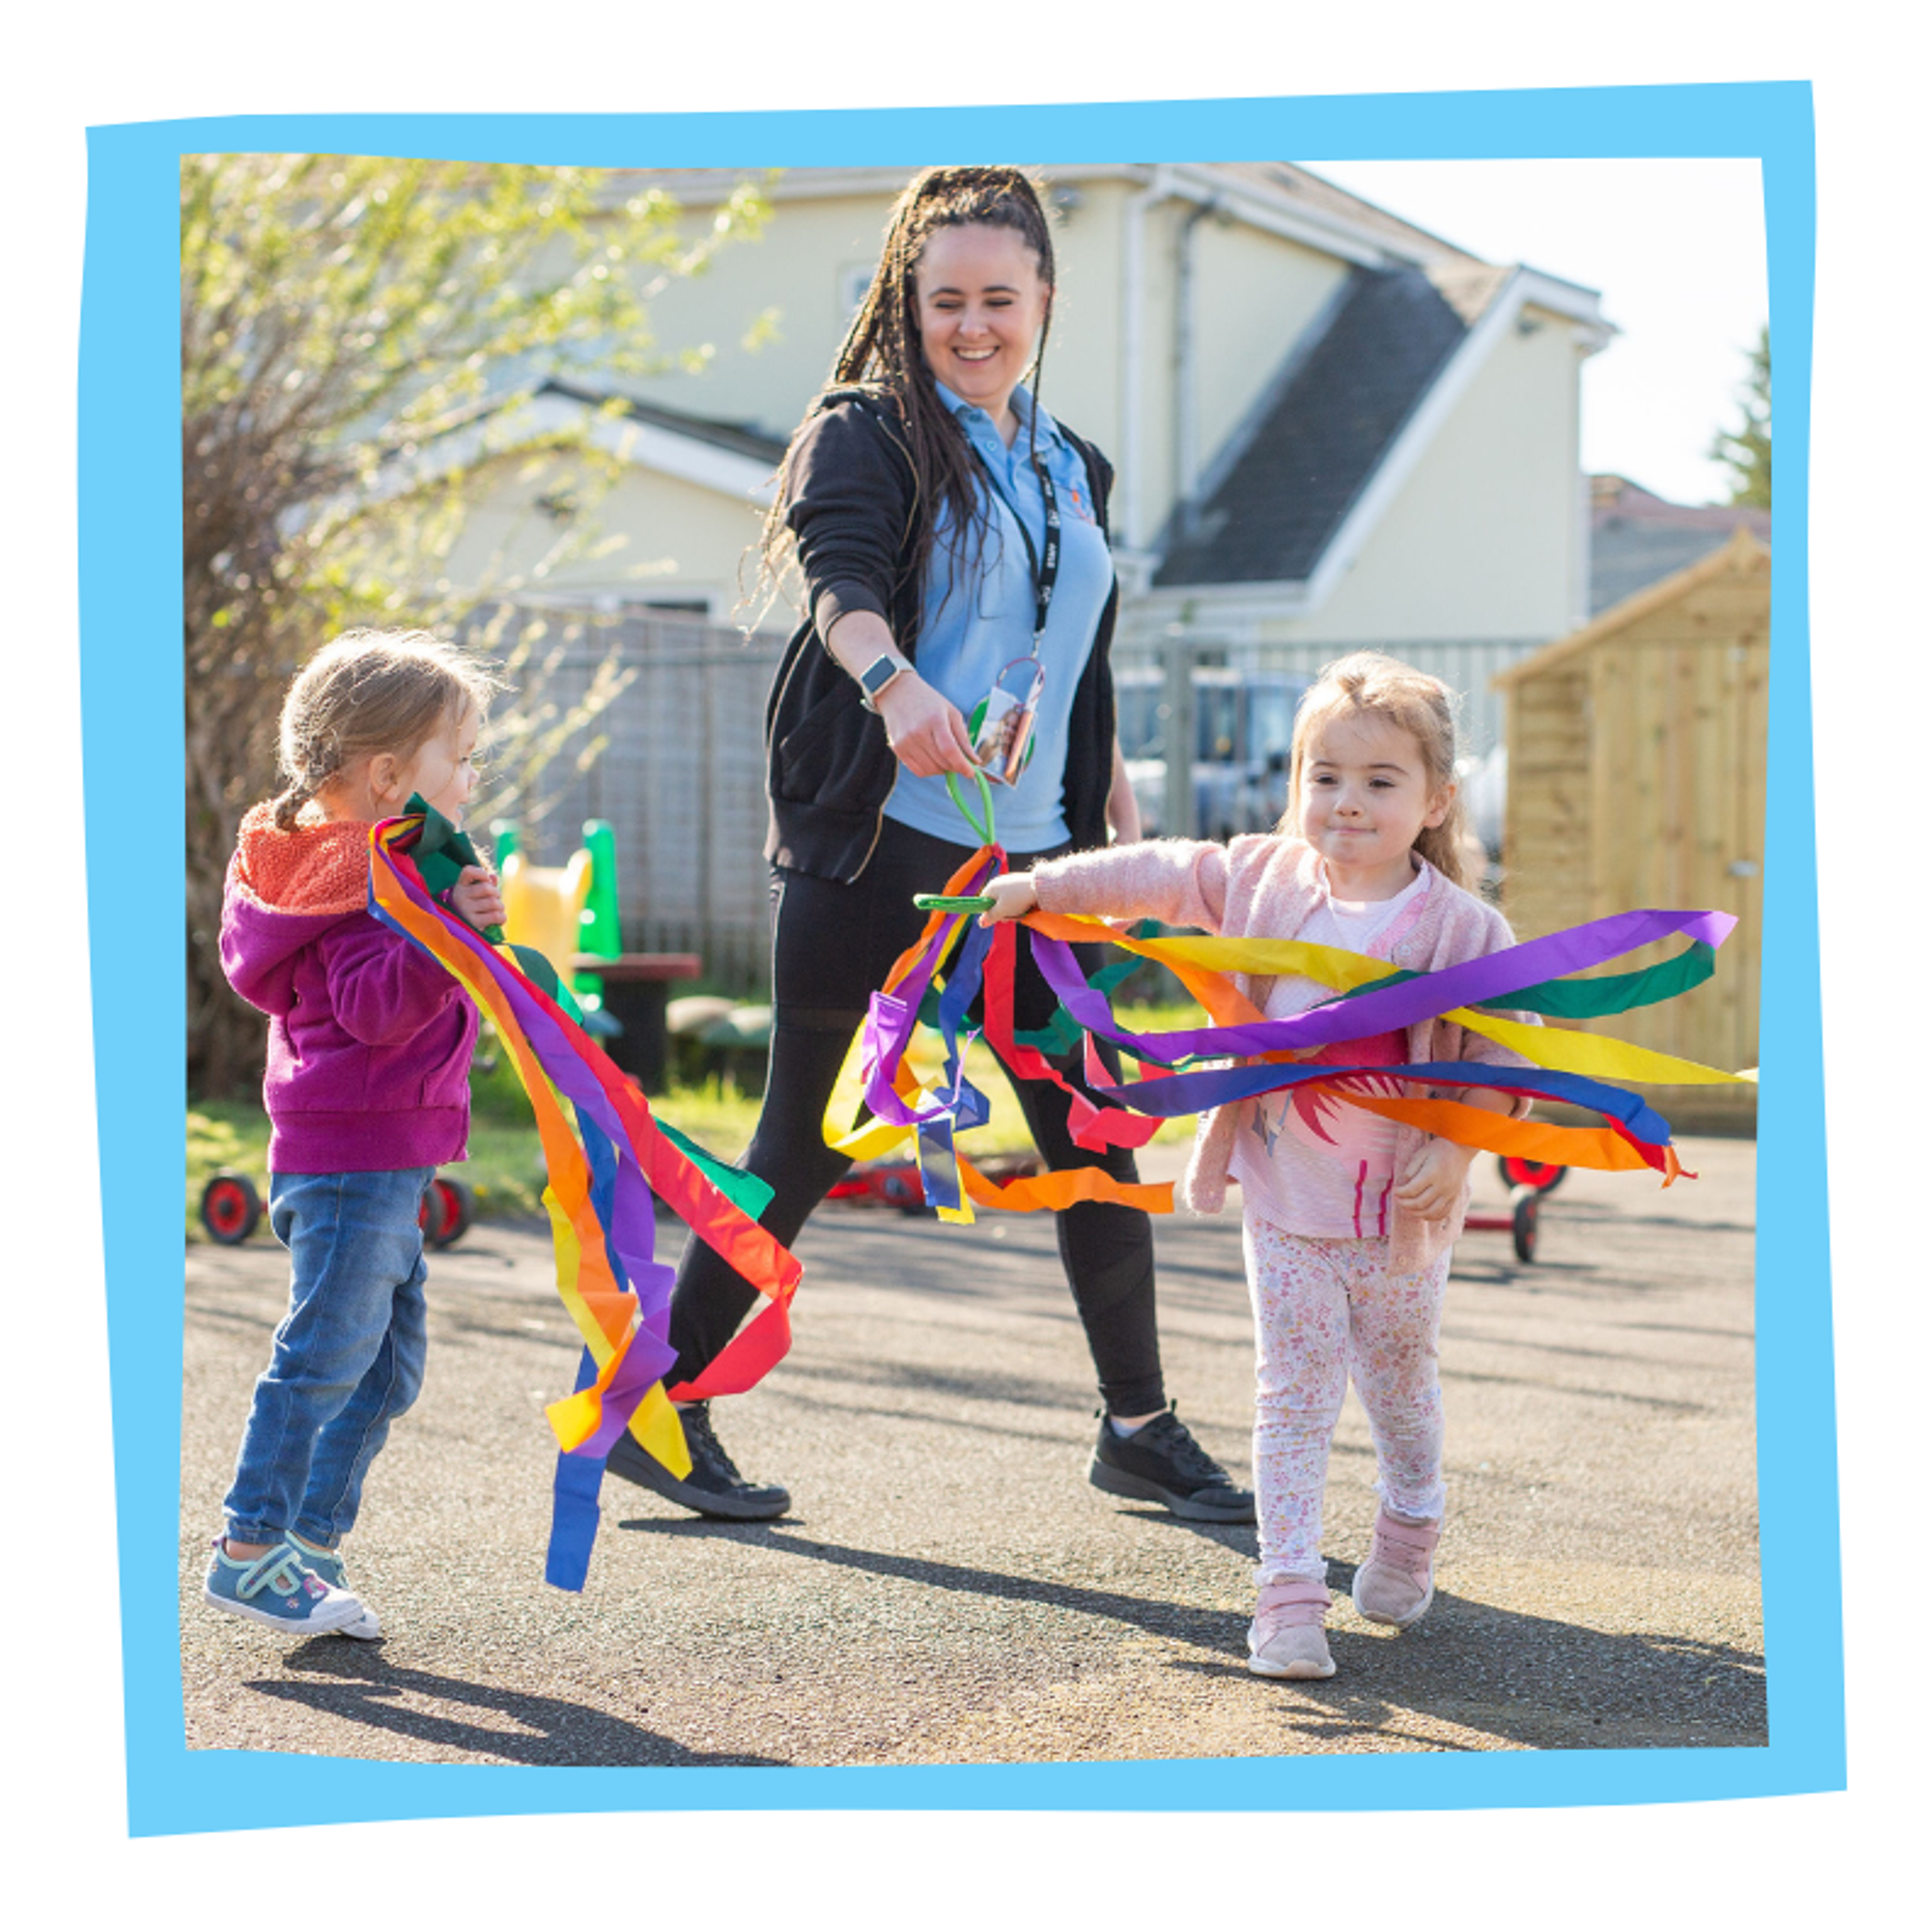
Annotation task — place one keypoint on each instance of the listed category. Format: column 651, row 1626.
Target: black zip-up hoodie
column 853, row 504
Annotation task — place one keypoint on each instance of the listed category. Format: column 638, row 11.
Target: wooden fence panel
column 680, row 774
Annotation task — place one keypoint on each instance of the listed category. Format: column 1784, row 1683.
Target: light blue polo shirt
column 969, row 634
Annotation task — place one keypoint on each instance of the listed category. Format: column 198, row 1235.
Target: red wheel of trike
column 456, row 1211
column 1526, row 1225
column 229, row 1208
column 433, row 1214
column 901, row 1187
column 1541, row 1175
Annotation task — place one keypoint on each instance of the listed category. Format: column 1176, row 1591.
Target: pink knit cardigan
column 1261, row 887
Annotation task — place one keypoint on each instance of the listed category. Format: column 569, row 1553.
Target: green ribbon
column 746, row 1190
column 1589, row 999
column 442, row 853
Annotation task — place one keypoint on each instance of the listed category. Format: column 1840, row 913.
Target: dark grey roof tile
column 726, row 434
column 1307, row 461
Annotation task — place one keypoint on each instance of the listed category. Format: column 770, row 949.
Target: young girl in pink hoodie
column 368, row 1045
column 1349, row 1218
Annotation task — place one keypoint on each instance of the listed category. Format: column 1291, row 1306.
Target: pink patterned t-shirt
column 1308, row 1162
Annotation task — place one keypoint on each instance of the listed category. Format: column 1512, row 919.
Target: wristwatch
column 880, row 675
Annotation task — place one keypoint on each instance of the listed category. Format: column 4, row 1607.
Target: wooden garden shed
column 1636, row 777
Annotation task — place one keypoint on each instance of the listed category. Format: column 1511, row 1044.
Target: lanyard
column 1046, row 563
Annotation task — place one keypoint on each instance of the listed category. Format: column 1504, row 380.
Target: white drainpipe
column 1133, row 534
column 1186, row 391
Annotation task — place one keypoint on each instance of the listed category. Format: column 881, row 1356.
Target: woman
column 919, row 498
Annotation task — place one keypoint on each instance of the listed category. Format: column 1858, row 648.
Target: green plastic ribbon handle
column 985, row 832
column 952, row 902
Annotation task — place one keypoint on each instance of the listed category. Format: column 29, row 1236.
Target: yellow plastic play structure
column 571, row 914
column 544, row 906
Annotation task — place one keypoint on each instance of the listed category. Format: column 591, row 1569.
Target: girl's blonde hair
column 371, row 691
column 1369, row 685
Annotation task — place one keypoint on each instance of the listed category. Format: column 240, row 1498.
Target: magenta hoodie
column 370, row 1039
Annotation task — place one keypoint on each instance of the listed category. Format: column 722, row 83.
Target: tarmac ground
column 948, row 1588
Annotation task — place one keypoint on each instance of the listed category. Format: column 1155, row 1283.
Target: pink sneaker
column 1395, row 1583
column 1288, row 1638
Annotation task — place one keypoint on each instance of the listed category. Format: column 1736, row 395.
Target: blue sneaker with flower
column 328, row 1565
column 278, row 1591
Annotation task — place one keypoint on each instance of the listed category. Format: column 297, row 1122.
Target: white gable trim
column 680, row 456
column 1524, row 288
column 1234, row 604
column 1296, row 599
column 684, row 457
column 1314, row 227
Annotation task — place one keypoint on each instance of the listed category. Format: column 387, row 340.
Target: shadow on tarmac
column 1518, row 1677
column 1534, row 1682
column 1206, row 1627
column 1539, row 1683
column 354, row 1680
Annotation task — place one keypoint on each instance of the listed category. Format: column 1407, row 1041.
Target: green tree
column 1748, row 453
column 356, row 335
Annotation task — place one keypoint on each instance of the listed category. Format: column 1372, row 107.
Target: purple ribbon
column 883, row 1043
column 1429, row 997
column 622, row 1200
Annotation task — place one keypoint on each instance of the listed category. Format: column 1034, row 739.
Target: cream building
column 1330, row 428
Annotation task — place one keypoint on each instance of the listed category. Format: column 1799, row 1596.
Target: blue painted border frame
column 130, row 623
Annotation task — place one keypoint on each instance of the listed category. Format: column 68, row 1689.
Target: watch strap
column 879, row 675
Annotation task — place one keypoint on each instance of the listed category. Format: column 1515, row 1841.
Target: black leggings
column 832, row 946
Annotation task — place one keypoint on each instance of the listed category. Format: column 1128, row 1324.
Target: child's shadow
column 354, row 1680
column 1525, row 1679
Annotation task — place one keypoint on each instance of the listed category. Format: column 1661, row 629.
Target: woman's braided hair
column 371, row 691
column 882, row 353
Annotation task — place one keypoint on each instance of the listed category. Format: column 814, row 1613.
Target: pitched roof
column 1308, row 189
column 1279, row 182
column 728, row 435
column 1638, row 538
column 1739, row 555
column 1281, row 494
column 1321, row 434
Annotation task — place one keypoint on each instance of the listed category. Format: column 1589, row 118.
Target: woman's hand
column 924, row 727
column 475, row 897
column 1434, row 1178
column 1012, row 895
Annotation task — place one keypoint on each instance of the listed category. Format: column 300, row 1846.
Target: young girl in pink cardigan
column 1350, row 1218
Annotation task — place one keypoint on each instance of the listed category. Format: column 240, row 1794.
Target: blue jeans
column 347, row 1359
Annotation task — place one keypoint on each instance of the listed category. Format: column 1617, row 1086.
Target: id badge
column 1001, row 726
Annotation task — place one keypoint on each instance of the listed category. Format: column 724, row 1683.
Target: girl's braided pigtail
column 286, row 807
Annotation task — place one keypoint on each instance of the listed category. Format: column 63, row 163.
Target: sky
column 1675, row 248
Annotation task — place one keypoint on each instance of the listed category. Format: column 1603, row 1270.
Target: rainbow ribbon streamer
column 603, row 1170
column 957, row 959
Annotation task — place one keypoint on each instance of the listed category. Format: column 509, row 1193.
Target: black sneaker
column 714, row 1485
column 1164, row 1462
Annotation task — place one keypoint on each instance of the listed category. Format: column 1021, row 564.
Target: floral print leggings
column 1324, row 1309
